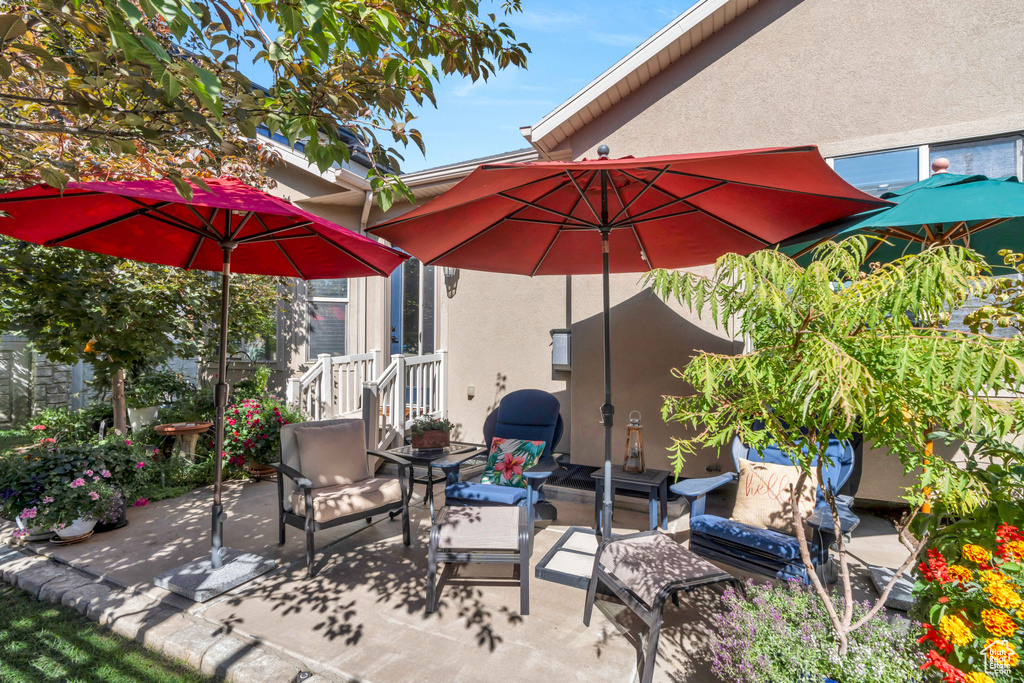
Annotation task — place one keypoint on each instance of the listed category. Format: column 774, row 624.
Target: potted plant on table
column 429, row 432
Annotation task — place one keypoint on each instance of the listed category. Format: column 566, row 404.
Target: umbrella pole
column 607, row 410
column 220, row 398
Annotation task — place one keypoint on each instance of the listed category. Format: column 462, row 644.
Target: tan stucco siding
column 847, row 76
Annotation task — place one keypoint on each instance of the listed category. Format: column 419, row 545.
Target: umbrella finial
column 603, row 151
column 940, row 165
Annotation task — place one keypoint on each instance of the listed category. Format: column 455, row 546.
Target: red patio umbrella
column 231, row 226
column 624, row 216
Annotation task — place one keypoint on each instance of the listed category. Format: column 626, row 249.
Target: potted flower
column 429, row 433
column 20, row 491
column 253, row 431
column 73, row 509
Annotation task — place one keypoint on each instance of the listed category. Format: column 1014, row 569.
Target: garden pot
column 35, row 533
column 115, row 518
column 431, row 439
column 142, row 417
column 77, row 528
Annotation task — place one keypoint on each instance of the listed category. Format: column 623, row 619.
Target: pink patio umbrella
column 624, row 216
column 231, row 225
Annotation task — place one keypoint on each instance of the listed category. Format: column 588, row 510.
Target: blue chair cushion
column 763, row 542
column 487, row 493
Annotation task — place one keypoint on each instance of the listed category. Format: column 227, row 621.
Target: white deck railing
column 410, row 387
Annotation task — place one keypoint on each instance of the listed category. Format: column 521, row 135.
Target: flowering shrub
column 783, row 635
column 253, row 430
column 969, row 596
column 84, row 497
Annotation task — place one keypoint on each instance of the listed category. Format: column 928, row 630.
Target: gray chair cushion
column 479, row 528
column 333, row 502
column 332, row 454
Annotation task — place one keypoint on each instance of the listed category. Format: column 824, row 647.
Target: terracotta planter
column 77, row 528
column 431, row 439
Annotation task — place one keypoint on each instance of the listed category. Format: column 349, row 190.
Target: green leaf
column 12, row 27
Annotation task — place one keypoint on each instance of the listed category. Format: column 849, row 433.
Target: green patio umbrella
column 986, row 214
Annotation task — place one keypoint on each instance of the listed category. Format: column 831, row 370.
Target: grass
column 44, row 642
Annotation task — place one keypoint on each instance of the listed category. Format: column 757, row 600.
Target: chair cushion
column 334, row 454
column 764, row 496
column 333, row 502
column 760, row 541
column 508, row 459
column 479, row 528
column 487, row 493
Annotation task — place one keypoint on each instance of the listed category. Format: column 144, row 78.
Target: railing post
column 326, row 386
column 371, row 414
column 442, row 384
column 398, row 410
column 294, row 395
column 376, row 368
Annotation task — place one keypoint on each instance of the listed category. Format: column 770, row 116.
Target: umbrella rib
column 714, row 216
column 289, row 258
column 561, row 226
column 583, row 193
column 527, row 203
column 241, row 224
column 684, row 199
column 195, row 253
column 632, row 224
column 17, row 200
column 647, row 186
column 497, row 223
column 352, row 255
column 875, row 202
column 208, row 222
column 262, row 237
column 171, row 219
column 98, row 226
column 541, row 221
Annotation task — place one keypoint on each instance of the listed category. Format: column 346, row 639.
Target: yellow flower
column 1003, row 595
column 992, row 577
column 978, row 677
column 955, row 630
column 975, row 553
column 998, row 622
column 1013, row 551
column 1001, row 652
column 960, row 573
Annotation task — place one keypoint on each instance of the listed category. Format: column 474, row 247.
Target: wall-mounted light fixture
column 451, row 280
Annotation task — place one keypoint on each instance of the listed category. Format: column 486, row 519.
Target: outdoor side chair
column 528, row 414
column 502, row 534
column 332, row 483
column 766, row 551
column 644, row 570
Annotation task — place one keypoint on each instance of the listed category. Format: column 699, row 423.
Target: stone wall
column 51, row 385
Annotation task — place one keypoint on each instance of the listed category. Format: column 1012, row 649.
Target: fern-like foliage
column 837, row 350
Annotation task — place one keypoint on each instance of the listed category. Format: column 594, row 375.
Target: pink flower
column 96, row 478
column 28, row 513
column 141, row 502
column 94, row 495
column 48, row 499
column 48, row 441
column 77, row 482
column 511, row 466
column 231, row 420
column 139, row 465
column 105, row 474
column 20, row 533
column 37, row 428
column 88, row 473
column 156, row 451
column 58, row 527
column 127, row 442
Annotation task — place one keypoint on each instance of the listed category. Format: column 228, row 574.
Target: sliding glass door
column 412, row 309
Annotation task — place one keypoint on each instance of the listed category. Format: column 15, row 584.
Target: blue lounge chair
column 765, row 551
column 530, row 415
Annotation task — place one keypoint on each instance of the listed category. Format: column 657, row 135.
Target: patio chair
column 767, row 551
column 332, row 483
column 527, row 414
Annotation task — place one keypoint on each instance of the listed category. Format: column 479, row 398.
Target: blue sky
column 573, row 42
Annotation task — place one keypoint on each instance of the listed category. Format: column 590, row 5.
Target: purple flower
column 28, row 513
column 48, row 499
column 105, row 474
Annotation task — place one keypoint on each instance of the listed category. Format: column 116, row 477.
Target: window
column 880, row 172
column 993, row 158
column 327, row 301
column 412, row 309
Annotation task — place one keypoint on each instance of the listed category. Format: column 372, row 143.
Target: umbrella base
column 199, row 581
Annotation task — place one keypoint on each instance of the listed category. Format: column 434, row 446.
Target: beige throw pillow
column 332, row 455
column 764, row 498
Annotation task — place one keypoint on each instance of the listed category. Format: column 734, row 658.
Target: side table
column 654, row 482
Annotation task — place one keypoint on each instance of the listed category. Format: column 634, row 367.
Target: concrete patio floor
column 362, row 617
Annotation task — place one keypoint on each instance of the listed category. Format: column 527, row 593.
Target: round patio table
column 185, row 434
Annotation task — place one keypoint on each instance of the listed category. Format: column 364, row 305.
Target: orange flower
column 978, row 677
column 960, row 573
column 1003, row 595
column 975, row 553
column 992, row 576
column 955, row 630
column 90, row 347
column 998, row 622
column 1001, row 652
column 1013, row 551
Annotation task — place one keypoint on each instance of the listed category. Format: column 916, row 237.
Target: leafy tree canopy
column 344, row 73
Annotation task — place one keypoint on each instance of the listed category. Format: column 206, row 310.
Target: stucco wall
column 846, row 76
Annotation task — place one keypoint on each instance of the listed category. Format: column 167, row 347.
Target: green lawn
column 44, row 642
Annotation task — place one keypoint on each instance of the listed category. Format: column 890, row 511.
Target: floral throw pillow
column 508, row 459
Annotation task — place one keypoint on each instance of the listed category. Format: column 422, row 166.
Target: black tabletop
column 432, row 454
column 648, row 476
